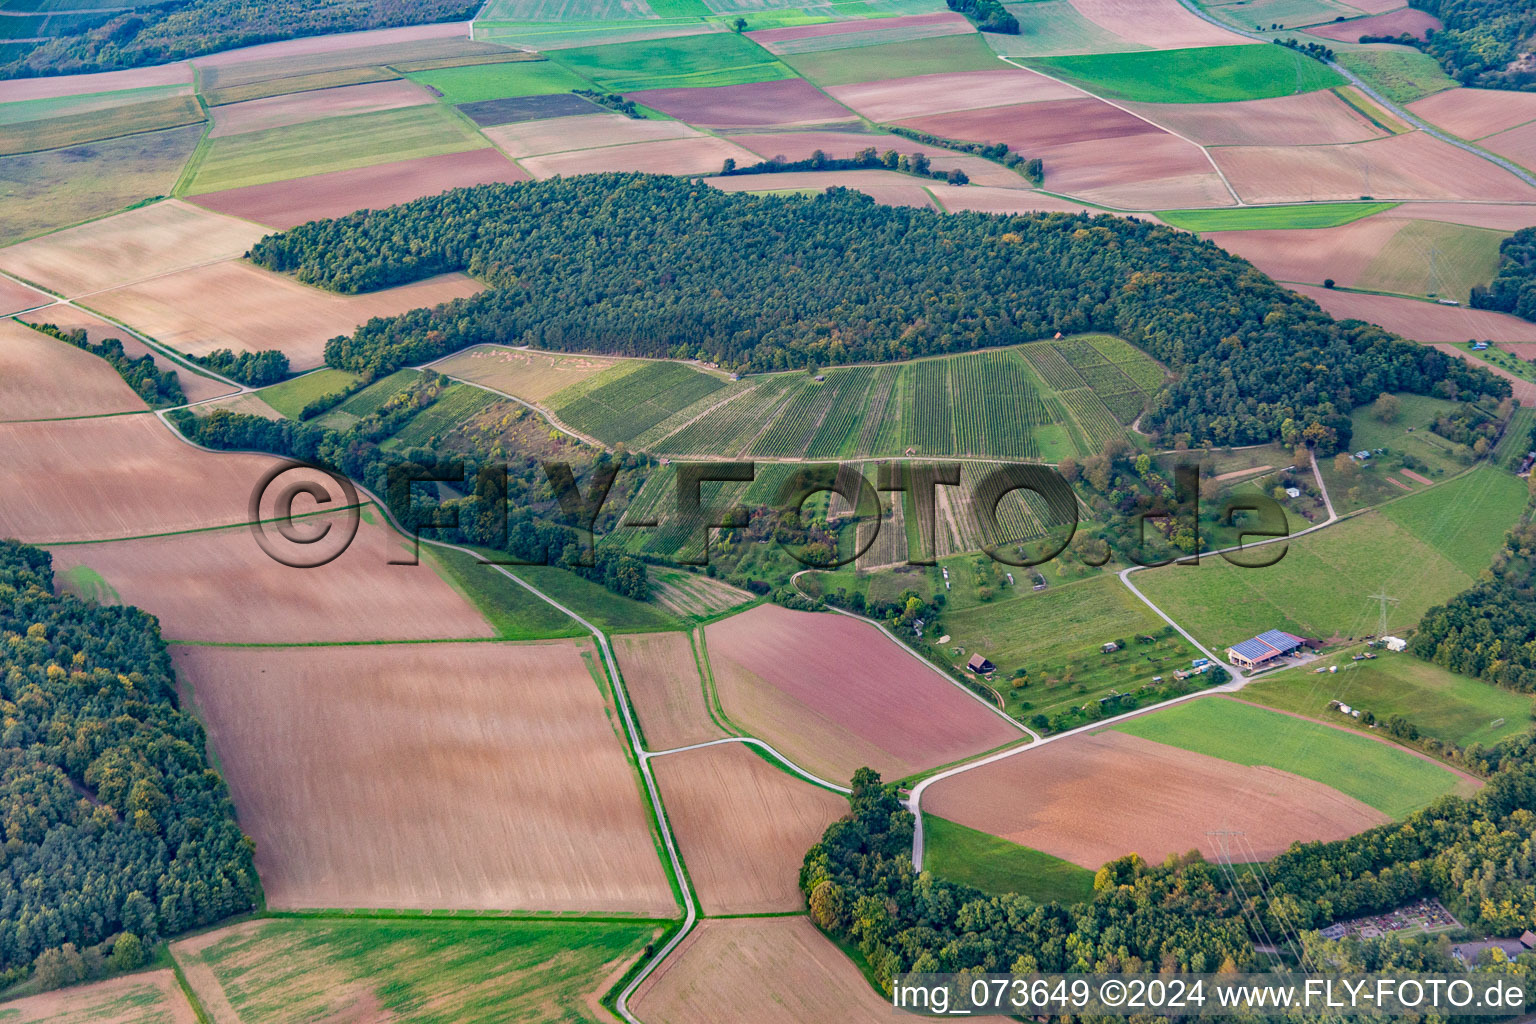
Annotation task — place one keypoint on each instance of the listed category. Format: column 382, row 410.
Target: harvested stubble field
column 373, row 971
column 297, row 108
column 527, row 373
column 220, row 586
column 1412, row 166
column 835, row 694
column 1089, row 799
column 1161, row 24
column 1426, row 322
column 46, row 191
column 662, row 678
column 236, row 305
column 284, row 204
column 118, row 476
column 1305, row 120
column 743, row 826
column 153, row 997
column 1476, row 113
column 782, row 971
column 562, row 134
column 894, row 99
column 378, row 776
column 1406, row 21
column 44, row 378
column 702, row 155
column 790, row 101
column 114, row 251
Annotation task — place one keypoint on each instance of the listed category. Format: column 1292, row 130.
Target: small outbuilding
column 980, row 665
column 1528, row 939
column 1395, row 643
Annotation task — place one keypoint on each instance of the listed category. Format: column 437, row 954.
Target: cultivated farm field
column 661, row 675
column 152, row 997
column 44, row 378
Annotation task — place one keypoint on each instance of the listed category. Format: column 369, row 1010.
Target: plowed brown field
column 51, row 86
column 562, row 134
column 470, row 776
column 1504, row 216
column 15, row 297
column 299, row 107
column 789, row 101
column 780, row 970
column 1306, row 120
column 663, row 683
column 703, row 155
column 1422, row 321
column 1342, row 253
column 195, row 386
column 743, row 826
column 1408, row 20
column 153, row 996
column 1160, row 24
column 1089, row 799
column 835, row 694
column 44, row 378
column 1475, row 113
column 897, row 98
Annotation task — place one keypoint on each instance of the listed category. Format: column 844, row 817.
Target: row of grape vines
column 929, row 418
column 1052, row 367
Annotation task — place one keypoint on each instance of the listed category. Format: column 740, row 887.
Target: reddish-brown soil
column 1160, row 24
column 1092, row 798
column 1518, row 144
column 787, row 102
column 887, row 187
column 1398, row 483
column 1504, row 216
column 130, row 999
column 1520, row 350
column 15, row 297
column 1476, row 113
column 898, row 98
column 1342, row 253
column 561, row 134
column 833, row 693
column 282, row 204
column 221, row 586
column 128, row 247
column 663, row 683
column 296, row 108
column 265, row 53
column 195, row 386
column 44, row 378
column 1414, row 22
column 702, row 155
column 1422, row 321
column 472, row 776
column 780, row 971
column 800, row 145
column 50, row 87
column 769, row 36
column 117, row 476
column 239, row 306
column 1411, row 166
column 743, row 826
column 1306, row 120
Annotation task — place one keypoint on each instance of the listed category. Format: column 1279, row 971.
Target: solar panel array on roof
column 1281, row 641
column 1253, row 650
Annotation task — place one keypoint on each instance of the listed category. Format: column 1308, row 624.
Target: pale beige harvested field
column 1475, row 113
column 15, row 297
column 44, row 378
column 341, row 42
column 800, row 146
column 1422, row 321
column 128, row 247
column 1342, row 253
column 886, row 187
column 151, row 997
column 470, row 776
column 248, row 404
column 562, row 134
column 1160, row 24
column 898, row 98
column 53, row 86
column 766, row 970
column 1411, row 166
column 220, row 585
column 239, row 306
column 284, row 204
column 1518, row 144
column 527, row 373
column 296, row 108
column 1091, row 798
column 743, row 826
column 703, row 155
column 1306, row 120
column 834, row 694
column 1504, row 216
column 663, row 683
column 117, row 476
column 1406, row 19
column 195, row 386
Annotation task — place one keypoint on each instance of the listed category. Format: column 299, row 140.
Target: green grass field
column 430, row 971
column 1207, row 74
column 1436, row 259
column 714, row 58
column 332, row 144
column 598, row 605
column 88, row 585
column 458, row 404
column 996, row 866
column 1385, row 777
column 896, row 60
column 500, row 81
column 1255, row 218
column 292, row 395
column 1055, row 27
column 1421, row 550
column 1260, row 14
column 1402, row 76
column 1449, row 707
column 1407, row 437
column 516, row 613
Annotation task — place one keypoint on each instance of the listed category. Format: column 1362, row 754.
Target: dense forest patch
column 657, row 266
column 1482, row 42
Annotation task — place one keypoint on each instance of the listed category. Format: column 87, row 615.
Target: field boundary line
column 761, row 745
column 548, row 415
